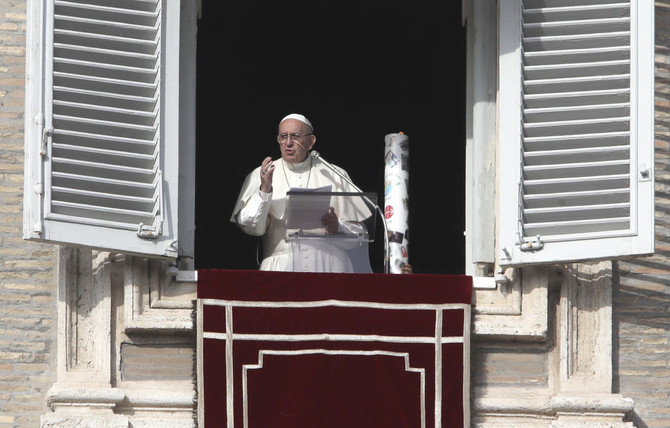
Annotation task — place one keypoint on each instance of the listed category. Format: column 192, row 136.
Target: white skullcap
column 299, row 117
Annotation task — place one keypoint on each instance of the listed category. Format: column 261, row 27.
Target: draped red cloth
column 280, row 349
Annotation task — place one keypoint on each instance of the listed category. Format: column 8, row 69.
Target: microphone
column 316, row 155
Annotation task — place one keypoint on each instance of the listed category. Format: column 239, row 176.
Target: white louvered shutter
column 101, row 131
column 576, row 130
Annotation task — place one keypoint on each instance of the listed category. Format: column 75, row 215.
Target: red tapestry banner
column 281, row 349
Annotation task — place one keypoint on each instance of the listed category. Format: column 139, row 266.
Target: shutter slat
column 95, row 126
column 105, row 114
column 105, row 85
column 114, row 224
column 85, row 96
column 575, row 112
column 577, row 41
column 556, row 9
column 106, row 55
column 539, row 4
column 103, row 170
column 564, row 13
column 580, row 212
column 118, row 143
column 583, row 169
column 573, row 156
column 134, row 5
column 565, row 127
column 103, row 184
column 101, row 41
column 544, row 58
column 130, row 13
column 91, row 154
column 591, row 89
column 102, row 213
column 122, row 30
column 596, row 197
column 109, row 200
column 575, row 141
column 556, row 71
column 107, row 82
column 567, row 230
column 547, row 99
column 117, row 72
column 582, row 26
column 577, row 183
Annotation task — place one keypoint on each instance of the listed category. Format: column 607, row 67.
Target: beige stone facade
column 93, row 339
column 27, row 271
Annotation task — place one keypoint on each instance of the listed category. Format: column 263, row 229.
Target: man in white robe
column 261, row 205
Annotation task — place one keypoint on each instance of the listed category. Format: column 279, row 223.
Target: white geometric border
column 229, row 337
column 261, row 353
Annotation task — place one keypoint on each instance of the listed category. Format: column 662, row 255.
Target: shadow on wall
column 637, row 422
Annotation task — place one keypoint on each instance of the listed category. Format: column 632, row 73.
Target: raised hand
column 267, row 169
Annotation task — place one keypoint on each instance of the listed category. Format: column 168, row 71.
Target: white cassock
column 266, row 218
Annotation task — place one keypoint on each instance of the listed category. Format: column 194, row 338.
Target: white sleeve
column 253, row 217
column 354, row 228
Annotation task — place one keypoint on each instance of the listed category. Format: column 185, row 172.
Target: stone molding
column 519, row 409
column 579, row 390
column 517, row 310
column 156, row 296
column 84, row 319
column 586, row 328
column 156, row 300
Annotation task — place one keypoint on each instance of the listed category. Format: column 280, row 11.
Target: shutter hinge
column 46, row 134
column 645, row 173
column 148, row 232
column 532, row 245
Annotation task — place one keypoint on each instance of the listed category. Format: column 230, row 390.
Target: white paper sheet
column 306, row 212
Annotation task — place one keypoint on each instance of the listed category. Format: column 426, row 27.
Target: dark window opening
column 358, row 71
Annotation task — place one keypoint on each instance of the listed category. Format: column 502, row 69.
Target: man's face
column 295, row 149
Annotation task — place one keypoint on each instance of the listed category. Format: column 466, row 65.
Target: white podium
column 313, row 249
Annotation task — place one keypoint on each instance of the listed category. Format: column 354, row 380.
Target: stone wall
column 27, row 270
column 642, row 300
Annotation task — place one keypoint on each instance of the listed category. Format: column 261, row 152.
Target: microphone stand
column 316, row 155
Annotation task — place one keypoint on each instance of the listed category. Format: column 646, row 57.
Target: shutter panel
column 98, row 178
column 576, row 132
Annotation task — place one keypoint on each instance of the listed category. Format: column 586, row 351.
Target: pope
column 261, row 205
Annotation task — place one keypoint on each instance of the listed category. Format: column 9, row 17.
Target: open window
column 361, row 70
column 110, row 128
